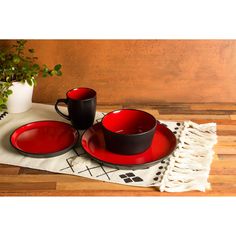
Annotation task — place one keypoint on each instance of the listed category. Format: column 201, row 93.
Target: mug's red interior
column 81, row 93
column 129, row 121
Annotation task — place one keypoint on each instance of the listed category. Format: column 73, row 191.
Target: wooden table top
column 17, row 181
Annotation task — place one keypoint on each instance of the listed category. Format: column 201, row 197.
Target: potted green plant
column 18, row 74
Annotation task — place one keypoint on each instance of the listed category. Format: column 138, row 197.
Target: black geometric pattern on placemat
column 130, row 177
column 177, row 129
column 80, row 152
column 161, row 169
column 156, row 178
column 88, row 169
column 70, row 160
column 70, row 164
column 164, row 161
column 106, row 173
column 3, row 115
column 100, row 119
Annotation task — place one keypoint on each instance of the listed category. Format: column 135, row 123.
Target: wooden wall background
column 140, row 71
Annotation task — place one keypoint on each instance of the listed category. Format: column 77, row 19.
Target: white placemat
column 186, row 169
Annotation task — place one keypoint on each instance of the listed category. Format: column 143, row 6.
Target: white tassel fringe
column 189, row 165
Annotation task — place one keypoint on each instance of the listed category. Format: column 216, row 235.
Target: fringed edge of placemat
column 189, row 165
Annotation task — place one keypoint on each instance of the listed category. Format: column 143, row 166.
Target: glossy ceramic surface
column 81, row 94
column 81, row 104
column 128, row 131
column 44, row 138
column 129, row 121
column 163, row 144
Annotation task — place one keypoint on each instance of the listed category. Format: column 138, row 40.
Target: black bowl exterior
column 128, row 144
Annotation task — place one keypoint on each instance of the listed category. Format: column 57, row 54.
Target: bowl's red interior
column 81, row 93
column 129, row 121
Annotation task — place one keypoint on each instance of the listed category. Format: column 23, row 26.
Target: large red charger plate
column 163, row 144
column 44, row 138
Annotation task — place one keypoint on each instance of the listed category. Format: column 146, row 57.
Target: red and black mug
column 81, row 104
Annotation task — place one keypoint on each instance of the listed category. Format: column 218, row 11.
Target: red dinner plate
column 163, row 144
column 44, row 138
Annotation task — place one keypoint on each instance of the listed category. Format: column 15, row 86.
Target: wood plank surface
column 17, row 181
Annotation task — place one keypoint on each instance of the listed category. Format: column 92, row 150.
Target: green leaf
column 21, row 42
column 9, row 92
column 45, row 69
column 59, row 73
column 53, row 72
column 45, row 74
column 18, row 64
column 16, row 59
column 2, row 56
column 34, row 82
column 57, row 67
column 29, row 81
column 3, row 107
column 35, row 67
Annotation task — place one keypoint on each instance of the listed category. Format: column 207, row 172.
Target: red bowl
column 128, row 131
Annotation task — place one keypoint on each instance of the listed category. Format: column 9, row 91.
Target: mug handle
column 58, row 111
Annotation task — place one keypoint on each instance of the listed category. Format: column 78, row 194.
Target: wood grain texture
column 16, row 181
column 140, row 71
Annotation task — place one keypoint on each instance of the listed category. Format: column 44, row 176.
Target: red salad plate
column 44, row 138
column 163, row 144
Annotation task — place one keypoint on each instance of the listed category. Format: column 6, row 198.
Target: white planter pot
column 21, row 98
